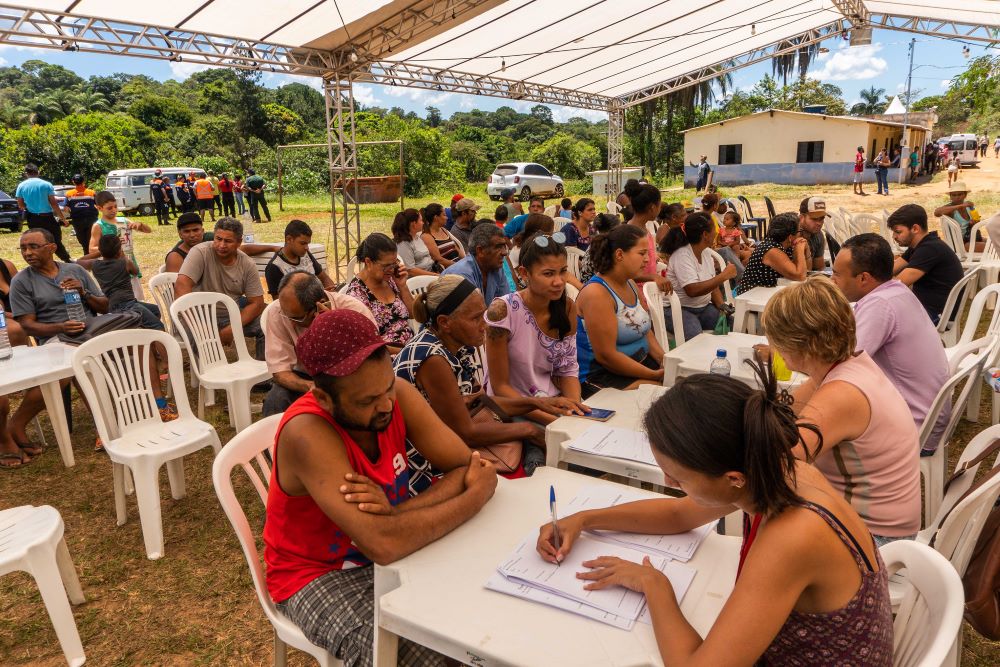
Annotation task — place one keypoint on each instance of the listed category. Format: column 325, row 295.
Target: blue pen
column 555, row 525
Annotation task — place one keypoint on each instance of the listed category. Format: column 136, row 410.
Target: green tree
column 304, row 100
column 872, row 102
column 281, row 125
column 161, row 113
column 567, row 156
column 433, row 116
column 542, row 113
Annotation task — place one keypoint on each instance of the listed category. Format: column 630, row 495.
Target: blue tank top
column 633, row 325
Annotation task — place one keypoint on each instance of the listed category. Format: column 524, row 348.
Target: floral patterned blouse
column 393, row 319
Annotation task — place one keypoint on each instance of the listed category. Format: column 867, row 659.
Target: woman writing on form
column 811, row 588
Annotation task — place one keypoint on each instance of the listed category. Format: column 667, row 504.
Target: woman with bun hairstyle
column 407, row 232
column 441, row 362
column 811, row 588
column 443, row 247
column 614, row 335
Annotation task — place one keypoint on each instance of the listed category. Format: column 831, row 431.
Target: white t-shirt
column 685, row 269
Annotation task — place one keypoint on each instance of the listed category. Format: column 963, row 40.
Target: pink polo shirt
column 899, row 337
column 281, row 332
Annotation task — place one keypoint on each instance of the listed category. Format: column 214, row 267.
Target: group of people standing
column 206, row 193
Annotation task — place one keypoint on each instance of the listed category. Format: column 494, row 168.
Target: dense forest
column 227, row 121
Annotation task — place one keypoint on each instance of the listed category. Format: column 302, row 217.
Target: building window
column 810, row 151
column 731, row 154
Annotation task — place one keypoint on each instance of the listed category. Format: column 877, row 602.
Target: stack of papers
column 524, row 574
column 614, row 442
column 680, row 546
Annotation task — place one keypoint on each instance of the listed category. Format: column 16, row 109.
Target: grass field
column 196, row 606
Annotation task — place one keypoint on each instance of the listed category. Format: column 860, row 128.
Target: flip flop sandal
column 32, row 449
column 98, row 446
column 21, row 461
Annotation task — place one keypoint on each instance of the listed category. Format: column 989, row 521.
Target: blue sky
column 883, row 65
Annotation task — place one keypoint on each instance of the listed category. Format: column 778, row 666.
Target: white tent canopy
column 586, row 53
column 593, row 54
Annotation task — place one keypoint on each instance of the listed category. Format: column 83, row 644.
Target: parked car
column 10, row 216
column 61, row 191
column 131, row 187
column 527, row 179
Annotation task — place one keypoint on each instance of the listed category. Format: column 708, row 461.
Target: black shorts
column 601, row 378
column 205, row 204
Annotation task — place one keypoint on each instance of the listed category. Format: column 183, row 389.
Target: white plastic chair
column 652, row 226
column 161, row 286
column 195, row 315
column 951, row 234
column 113, row 373
column 419, row 284
column 31, row 540
column 956, row 527
column 654, row 299
column 948, row 326
column 929, row 618
column 987, row 261
column 572, row 292
column 965, row 367
column 654, row 303
column 352, row 268
column 865, row 223
column 266, row 313
column 613, row 208
column 243, row 450
column 979, row 304
column 573, row 257
column 720, row 265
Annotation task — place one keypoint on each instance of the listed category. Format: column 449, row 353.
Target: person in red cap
column 339, row 498
column 450, row 211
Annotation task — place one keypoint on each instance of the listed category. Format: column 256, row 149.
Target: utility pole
column 909, row 81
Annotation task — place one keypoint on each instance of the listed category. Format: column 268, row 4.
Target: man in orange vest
column 82, row 210
column 205, row 195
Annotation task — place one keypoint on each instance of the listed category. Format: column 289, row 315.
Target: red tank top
column 301, row 543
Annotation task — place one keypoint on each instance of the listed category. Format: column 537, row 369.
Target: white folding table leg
column 52, row 395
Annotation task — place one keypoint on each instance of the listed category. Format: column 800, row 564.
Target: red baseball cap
column 337, row 343
column 457, row 197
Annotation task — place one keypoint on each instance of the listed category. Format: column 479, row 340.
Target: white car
column 131, row 186
column 526, row 179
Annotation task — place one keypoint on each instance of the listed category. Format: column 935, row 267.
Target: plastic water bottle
column 720, row 365
column 74, row 306
column 5, row 350
column 248, row 236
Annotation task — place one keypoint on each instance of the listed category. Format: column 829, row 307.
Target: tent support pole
column 342, row 154
column 616, row 133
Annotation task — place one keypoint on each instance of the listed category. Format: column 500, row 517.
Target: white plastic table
column 317, row 249
column 696, row 355
column 629, row 407
column 752, row 301
column 43, row 366
column 436, row 596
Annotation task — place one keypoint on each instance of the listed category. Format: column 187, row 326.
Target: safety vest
column 203, row 189
column 81, row 204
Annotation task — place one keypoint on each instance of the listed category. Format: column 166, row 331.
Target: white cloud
column 851, row 64
column 365, row 95
column 22, row 48
column 429, row 98
column 2, row 62
column 182, row 70
column 946, row 83
column 563, row 114
column 275, row 80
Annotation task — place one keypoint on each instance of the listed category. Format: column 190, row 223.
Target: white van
column 966, row 146
column 131, row 186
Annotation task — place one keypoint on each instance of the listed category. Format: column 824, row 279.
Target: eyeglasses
column 309, row 313
column 542, row 241
column 33, row 246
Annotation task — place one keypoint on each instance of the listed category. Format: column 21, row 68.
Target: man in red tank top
column 339, row 495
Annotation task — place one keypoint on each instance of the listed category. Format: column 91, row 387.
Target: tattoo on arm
column 496, row 333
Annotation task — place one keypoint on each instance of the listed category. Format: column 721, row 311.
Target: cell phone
column 599, row 414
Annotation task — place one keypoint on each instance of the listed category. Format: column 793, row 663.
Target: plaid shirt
column 467, row 370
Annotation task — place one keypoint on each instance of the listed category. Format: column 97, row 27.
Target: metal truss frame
column 616, row 159
column 365, row 58
column 342, row 153
column 430, row 78
column 68, row 32
column 936, row 27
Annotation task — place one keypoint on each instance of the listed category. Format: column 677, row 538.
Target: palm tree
column 793, row 60
column 871, row 102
